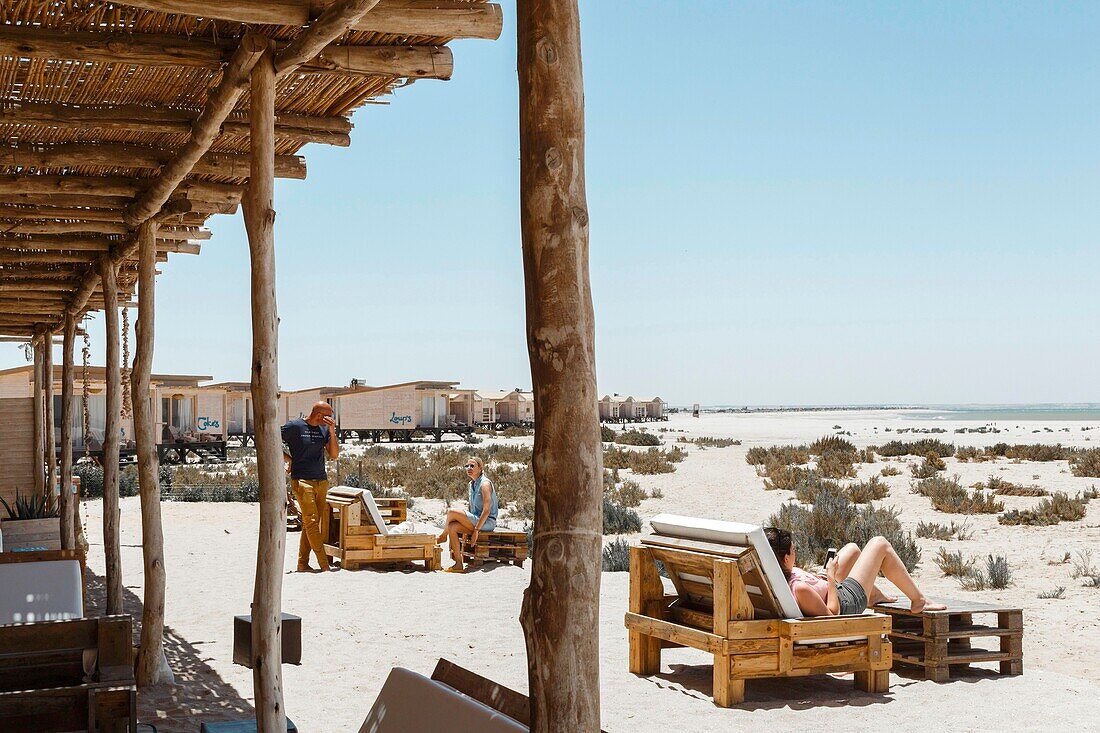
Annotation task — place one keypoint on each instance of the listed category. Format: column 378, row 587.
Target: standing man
column 306, row 443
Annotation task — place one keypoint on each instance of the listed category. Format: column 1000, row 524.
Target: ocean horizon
column 986, row 413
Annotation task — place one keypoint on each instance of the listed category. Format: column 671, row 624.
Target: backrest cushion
column 740, row 535
column 411, row 702
column 371, row 507
column 40, row 591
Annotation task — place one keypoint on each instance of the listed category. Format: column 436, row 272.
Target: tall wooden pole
column 67, row 503
column 47, row 388
column 259, row 218
column 150, row 669
column 38, row 443
column 560, row 614
column 111, row 545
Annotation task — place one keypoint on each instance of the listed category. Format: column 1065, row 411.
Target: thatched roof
column 95, row 97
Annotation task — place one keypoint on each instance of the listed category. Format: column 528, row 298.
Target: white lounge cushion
column 369, row 504
column 733, row 533
column 412, row 702
column 40, row 591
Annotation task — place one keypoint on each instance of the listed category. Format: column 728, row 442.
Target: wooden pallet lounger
column 733, row 601
column 68, row 676
column 359, row 531
column 496, row 546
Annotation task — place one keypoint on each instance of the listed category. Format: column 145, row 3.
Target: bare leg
column 880, row 556
column 457, row 522
column 453, row 515
column 845, row 561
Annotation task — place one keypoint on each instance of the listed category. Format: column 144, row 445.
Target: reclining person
column 849, row 579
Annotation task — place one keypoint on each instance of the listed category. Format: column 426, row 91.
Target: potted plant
column 31, row 523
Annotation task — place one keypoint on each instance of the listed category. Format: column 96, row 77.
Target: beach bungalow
column 611, row 407
column 464, row 407
column 298, row 403
column 396, row 411
column 237, row 398
column 512, row 407
column 654, row 408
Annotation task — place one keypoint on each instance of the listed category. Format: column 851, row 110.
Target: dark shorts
column 853, row 599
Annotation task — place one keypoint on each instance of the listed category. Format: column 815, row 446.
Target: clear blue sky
column 790, row 203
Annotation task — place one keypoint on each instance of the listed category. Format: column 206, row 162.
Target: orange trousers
column 313, row 502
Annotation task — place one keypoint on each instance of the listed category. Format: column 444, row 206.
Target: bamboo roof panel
column 76, row 97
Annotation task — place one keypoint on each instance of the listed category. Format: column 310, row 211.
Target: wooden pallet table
column 498, row 546
column 936, row 641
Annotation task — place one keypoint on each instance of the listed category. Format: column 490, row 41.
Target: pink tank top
column 817, row 583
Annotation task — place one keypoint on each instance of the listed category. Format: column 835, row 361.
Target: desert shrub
column 1086, row 463
column 629, row 493
column 969, row 453
column 1059, row 507
column 517, row 431
column 953, row 564
column 657, row 493
column 515, row 489
column 706, row 442
column 616, row 556
column 620, row 520
column 1007, row 488
column 929, row 466
column 831, row 443
column 864, row 491
column 837, row 464
column 650, row 462
column 1092, row 581
column 808, row 483
column 996, row 575
column 1036, row 452
column 616, row 458
column 780, row 476
column 833, row 521
column 1057, row 593
column 947, row 495
column 676, row 454
column 637, row 437
column 916, row 448
column 867, row 455
column 786, row 454
column 607, row 435
column 1083, row 566
column 935, row 531
column 891, row 471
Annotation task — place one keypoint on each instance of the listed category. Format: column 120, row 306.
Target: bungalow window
column 178, row 412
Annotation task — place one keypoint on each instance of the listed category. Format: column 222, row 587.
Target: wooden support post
column 645, row 592
column 39, row 439
column 150, row 668
column 112, row 550
column 47, row 389
column 560, row 614
column 259, row 217
column 67, row 502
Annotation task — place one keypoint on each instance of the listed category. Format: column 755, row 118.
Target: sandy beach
column 357, row 625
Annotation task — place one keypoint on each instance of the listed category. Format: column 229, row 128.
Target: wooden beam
column 94, row 227
column 432, row 18
column 18, row 212
column 150, row 669
column 561, row 606
column 38, row 441
column 19, row 184
column 115, row 204
column 24, row 258
column 165, row 121
column 259, row 218
column 67, row 500
column 141, row 49
column 47, row 387
column 334, row 21
column 107, row 155
column 112, row 548
column 85, row 244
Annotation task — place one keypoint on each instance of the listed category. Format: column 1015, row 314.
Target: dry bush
column 784, row 477
column 831, row 443
column 650, row 462
column 1007, row 488
column 916, row 448
column 837, row 464
column 996, row 575
column 929, row 466
column 947, row 495
column 1059, row 507
column 968, row 453
column 1032, row 452
column 789, row 455
column 936, row 531
column 891, row 471
column 953, row 564
column 833, row 521
column 1086, row 463
column 707, row 442
column 629, row 493
column 637, row 437
column 616, row 556
column 867, row 455
column 620, row 520
column 864, row 491
column 809, row 483
column 1057, row 593
column 607, row 435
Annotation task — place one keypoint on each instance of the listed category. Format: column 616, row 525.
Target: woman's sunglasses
column 471, row 465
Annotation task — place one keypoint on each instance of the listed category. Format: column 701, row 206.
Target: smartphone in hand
column 830, row 555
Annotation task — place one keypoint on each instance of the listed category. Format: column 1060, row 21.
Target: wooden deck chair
column 359, row 533
column 733, row 601
column 46, row 585
column 453, row 700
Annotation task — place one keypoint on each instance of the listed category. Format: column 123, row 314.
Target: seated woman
column 481, row 516
column 849, row 579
